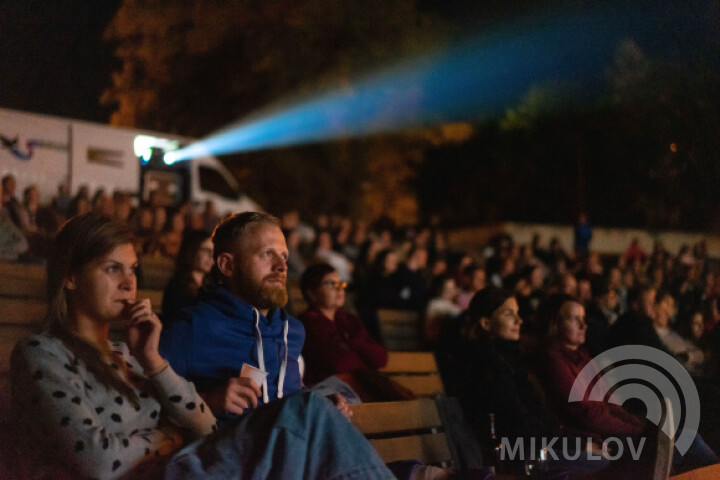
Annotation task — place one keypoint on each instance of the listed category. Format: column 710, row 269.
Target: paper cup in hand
column 254, row 373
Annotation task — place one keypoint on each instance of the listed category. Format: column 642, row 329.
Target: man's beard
column 260, row 295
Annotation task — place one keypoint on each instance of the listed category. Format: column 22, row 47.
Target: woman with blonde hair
column 97, row 407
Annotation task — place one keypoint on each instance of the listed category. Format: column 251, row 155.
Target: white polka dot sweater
column 72, row 419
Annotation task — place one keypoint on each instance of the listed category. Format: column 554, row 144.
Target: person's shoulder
column 290, row 318
column 311, row 316
column 294, row 325
column 42, row 348
column 173, row 283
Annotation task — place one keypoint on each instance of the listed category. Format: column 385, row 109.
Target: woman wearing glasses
column 336, row 342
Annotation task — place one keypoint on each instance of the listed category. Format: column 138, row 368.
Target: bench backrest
column 19, row 280
column 706, row 473
column 404, row 430
column 400, row 329
column 23, row 316
column 416, row 371
column 432, row 431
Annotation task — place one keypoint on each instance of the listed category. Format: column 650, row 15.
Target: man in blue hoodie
column 241, row 321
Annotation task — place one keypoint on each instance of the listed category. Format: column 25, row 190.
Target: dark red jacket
column 339, row 346
column 600, row 419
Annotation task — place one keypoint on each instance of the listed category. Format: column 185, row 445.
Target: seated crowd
column 511, row 325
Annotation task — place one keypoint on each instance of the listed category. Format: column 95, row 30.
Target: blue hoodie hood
column 212, row 340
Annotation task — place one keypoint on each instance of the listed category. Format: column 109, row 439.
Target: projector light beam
column 470, row 82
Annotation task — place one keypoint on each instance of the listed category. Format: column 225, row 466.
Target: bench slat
column 373, row 418
column 400, row 329
column 429, row 449
column 421, row 385
column 22, row 287
column 706, row 473
column 9, row 269
column 9, row 336
column 20, row 311
column 410, row 362
column 31, row 311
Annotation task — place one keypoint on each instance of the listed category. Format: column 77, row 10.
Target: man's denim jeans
column 302, row 436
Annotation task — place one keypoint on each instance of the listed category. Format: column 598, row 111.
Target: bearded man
column 241, row 321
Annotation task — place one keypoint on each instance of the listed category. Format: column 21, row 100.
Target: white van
column 46, row 151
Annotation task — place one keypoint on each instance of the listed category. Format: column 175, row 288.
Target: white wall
column 605, row 240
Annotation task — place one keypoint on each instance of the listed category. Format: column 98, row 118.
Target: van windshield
column 212, row 181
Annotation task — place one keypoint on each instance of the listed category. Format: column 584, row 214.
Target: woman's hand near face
column 143, row 334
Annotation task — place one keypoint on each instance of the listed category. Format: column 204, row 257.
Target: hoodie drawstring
column 261, row 358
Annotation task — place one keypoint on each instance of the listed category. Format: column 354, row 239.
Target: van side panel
column 104, row 157
column 36, row 150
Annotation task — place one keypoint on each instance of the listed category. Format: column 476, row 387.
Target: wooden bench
column 23, row 316
column 400, row 330
column 156, row 272
column 24, row 311
column 296, row 302
column 416, row 371
column 20, row 280
column 706, row 473
column 428, row 430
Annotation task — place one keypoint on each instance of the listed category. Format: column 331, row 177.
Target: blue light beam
column 472, row 81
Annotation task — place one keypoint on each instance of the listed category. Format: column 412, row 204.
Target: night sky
column 54, row 60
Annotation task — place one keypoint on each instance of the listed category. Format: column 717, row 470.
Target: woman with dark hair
column 192, row 271
column 93, row 408
column 379, row 289
column 502, row 385
column 171, row 237
column 337, row 343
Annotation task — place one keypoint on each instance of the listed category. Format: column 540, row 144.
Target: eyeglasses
column 336, row 285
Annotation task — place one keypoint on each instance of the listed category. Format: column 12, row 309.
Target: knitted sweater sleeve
column 181, row 403
column 74, row 420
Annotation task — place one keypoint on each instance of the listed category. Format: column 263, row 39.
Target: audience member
column 9, row 202
column 295, row 261
column 601, row 315
column 192, row 271
column 12, row 241
column 441, row 308
column 490, row 349
column 104, row 409
column 210, row 216
column 472, row 280
column 412, row 280
column 337, row 343
column 566, row 357
column 692, row 358
column 635, row 327
column 324, row 252
column 172, row 233
column 61, row 201
column 96, row 408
